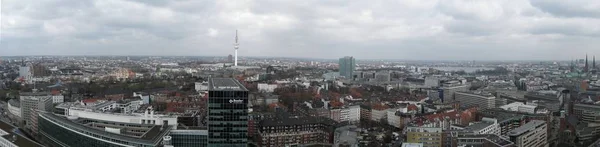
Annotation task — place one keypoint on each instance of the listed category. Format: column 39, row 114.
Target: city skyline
column 486, row 30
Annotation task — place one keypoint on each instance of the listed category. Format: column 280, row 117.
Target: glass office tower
column 227, row 113
column 347, row 66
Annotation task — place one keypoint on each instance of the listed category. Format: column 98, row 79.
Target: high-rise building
column 227, row 113
column 347, row 66
column 32, row 102
column 230, row 58
column 532, row 134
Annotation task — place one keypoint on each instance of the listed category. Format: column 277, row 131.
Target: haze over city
column 409, row 29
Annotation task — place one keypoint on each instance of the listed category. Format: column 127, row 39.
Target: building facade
column 40, row 101
column 58, row 131
column 189, row 138
column 532, row 134
column 429, row 137
column 347, row 66
column 484, row 101
column 227, row 113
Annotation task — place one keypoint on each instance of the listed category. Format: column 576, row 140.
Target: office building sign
column 234, row 101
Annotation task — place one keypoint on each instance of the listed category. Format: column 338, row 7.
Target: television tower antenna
column 236, row 46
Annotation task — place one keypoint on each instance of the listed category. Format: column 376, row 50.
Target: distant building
column 383, row 76
column 227, row 113
column 347, row 65
column 432, row 81
column 230, row 58
column 484, row 101
column 532, row 134
column 449, row 90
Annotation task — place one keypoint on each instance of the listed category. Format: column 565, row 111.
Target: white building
column 377, row 115
column 520, row 107
column 485, row 126
column 484, row 101
column 346, row 114
column 532, row 134
column 266, row 87
column 59, row 98
column 14, row 107
column 98, row 112
column 201, row 86
column 431, row 81
column 392, row 118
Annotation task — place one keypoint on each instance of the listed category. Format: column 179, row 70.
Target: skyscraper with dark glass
column 347, row 66
column 227, row 113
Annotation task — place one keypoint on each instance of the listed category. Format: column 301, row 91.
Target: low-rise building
column 429, row 137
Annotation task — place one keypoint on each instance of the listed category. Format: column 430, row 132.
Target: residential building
column 532, row 134
column 347, row 65
column 227, row 113
column 346, row 114
column 286, row 130
column 429, row 137
column 483, row 101
column 269, row 88
column 379, row 112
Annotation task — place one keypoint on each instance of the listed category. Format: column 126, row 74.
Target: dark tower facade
column 587, row 67
column 227, row 113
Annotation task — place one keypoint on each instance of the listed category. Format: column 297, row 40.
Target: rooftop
column 225, row 84
column 152, row 134
column 16, row 138
column 499, row 141
column 526, row 128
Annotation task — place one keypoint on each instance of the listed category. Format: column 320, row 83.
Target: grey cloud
column 406, row 29
column 574, row 8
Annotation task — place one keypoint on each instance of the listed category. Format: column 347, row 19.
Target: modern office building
column 103, row 110
column 429, row 137
column 81, row 132
column 484, row 101
column 448, row 91
column 189, row 137
column 31, row 102
column 9, row 137
column 227, row 113
column 532, row 134
column 347, row 66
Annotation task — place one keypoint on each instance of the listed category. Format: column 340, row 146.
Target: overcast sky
column 365, row 29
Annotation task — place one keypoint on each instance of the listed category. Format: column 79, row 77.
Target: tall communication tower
column 236, row 46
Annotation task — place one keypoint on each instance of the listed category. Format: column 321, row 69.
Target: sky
column 365, row 29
